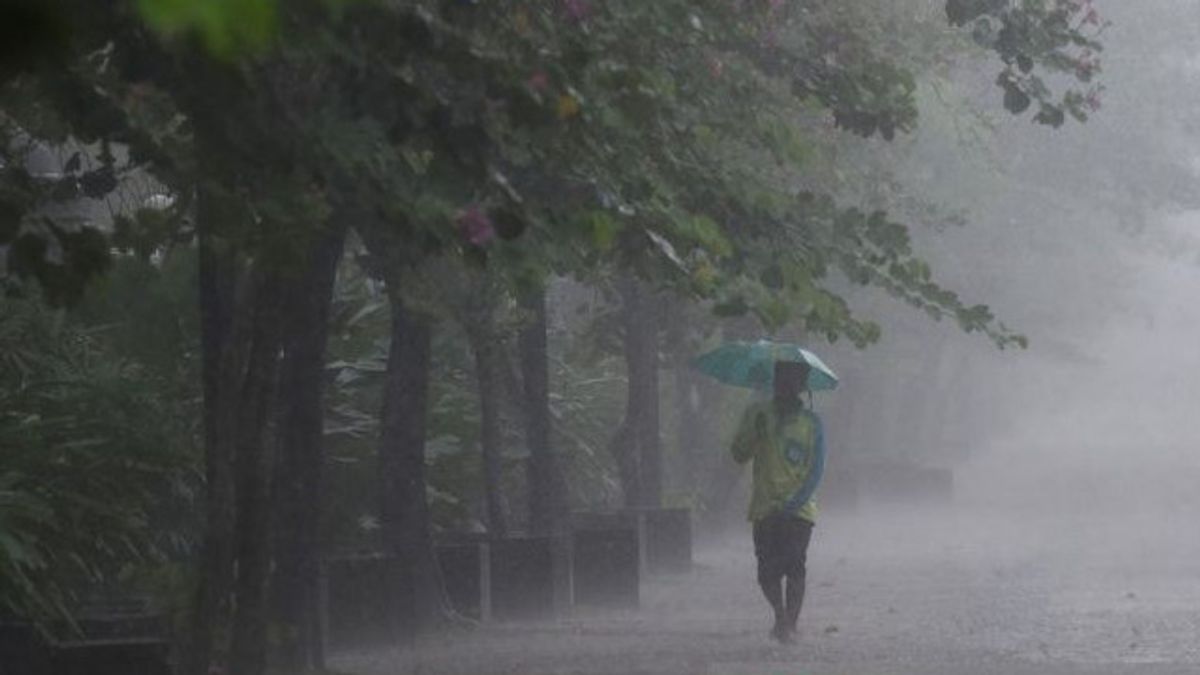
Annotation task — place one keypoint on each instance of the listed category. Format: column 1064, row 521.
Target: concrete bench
column 607, row 560
column 666, row 536
column 363, row 598
column 111, row 656
column 113, row 637
column 465, row 564
column 515, row 577
column 21, row 651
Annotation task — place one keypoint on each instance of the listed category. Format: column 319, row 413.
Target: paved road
column 890, row 594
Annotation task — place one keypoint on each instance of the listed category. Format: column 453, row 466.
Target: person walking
column 785, row 443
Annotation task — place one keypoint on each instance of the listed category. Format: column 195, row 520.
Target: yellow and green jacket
column 788, row 450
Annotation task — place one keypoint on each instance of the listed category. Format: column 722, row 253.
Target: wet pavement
column 890, row 593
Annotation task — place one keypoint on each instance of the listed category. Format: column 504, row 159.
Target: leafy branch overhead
column 673, row 138
column 1039, row 43
column 726, row 153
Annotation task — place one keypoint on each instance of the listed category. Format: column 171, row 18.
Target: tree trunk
column 254, row 458
column 547, row 497
column 404, row 508
column 485, row 344
column 642, row 453
column 690, row 428
column 301, row 458
column 223, row 301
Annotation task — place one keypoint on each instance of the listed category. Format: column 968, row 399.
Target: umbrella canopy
column 752, row 364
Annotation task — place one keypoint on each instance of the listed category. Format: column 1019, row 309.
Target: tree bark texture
column 640, row 458
column 485, row 344
column 690, row 431
column 404, row 508
column 301, row 458
column 547, row 494
column 479, row 320
column 225, row 301
column 253, row 484
column 216, row 549
column 691, row 426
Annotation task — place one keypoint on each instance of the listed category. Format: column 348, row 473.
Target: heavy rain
column 659, row 337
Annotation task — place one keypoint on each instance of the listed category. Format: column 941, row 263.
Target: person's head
column 791, row 379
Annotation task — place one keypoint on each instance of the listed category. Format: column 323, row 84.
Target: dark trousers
column 781, row 546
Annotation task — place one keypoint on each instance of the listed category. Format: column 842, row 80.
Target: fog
column 1083, row 239
column 1118, row 433
column 1112, row 428
column 421, row 386
column 1068, row 543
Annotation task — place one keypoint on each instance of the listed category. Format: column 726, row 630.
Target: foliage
column 612, row 129
column 587, row 405
column 357, row 366
column 655, row 162
column 689, row 142
column 90, row 453
column 226, row 27
column 1060, row 36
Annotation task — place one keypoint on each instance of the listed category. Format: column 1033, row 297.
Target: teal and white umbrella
column 752, row 364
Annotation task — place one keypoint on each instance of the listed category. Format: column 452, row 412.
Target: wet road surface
column 890, row 593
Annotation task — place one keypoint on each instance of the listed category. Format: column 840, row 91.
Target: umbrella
column 752, row 364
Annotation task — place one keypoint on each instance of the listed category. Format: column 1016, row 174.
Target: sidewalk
column 888, row 595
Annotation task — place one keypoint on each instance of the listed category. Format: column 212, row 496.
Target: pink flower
column 716, row 67
column 475, row 226
column 577, row 10
column 539, row 81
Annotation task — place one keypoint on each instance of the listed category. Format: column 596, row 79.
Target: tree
column 547, row 496
column 402, row 465
column 637, row 445
column 664, row 138
column 301, row 456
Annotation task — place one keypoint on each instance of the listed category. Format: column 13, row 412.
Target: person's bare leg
column 772, row 588
column 793, row 601
column 770, row 572
column 801, row 535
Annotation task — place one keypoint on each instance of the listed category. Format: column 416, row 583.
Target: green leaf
column 704, row 231
column 226, row 27
column 1051, row 116
column 603, row 229
column 1015, row 100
